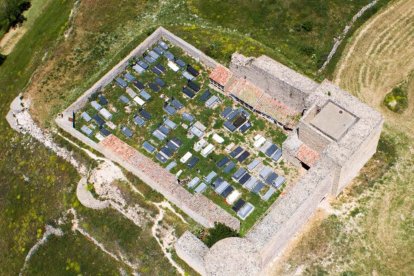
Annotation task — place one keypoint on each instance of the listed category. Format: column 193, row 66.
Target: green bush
column 11, row 13
column 219, row 232
column 397, row 99
column 2, row 58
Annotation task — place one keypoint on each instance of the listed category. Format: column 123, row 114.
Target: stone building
column 333, row 135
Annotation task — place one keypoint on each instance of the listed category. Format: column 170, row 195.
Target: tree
column 219, row 232
column 11, row 13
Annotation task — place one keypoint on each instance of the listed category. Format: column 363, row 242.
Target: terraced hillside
column 379, row 57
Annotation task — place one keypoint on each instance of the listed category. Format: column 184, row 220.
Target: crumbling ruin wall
column 250, row 69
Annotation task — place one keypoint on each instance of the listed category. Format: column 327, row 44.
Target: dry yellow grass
column 379, row 57
column 370, row 230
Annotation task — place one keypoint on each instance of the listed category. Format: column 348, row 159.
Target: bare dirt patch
column 10, row 39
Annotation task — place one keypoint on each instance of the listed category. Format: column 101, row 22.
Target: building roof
column 212, row 101
column 126, row 131
column 180, row 62
column 124, row 99
column 201, row 188
column 145, row 114
column 170, row 109
column 86, row 130
column 221, row 75
column 144, row 94
column 192, row 70
column 143, row 64
column 204, row 97
column 137, row 68
column 163, row 45
column 139, row 121
column 98, row 119
column 86, row 116
column 194, row 86
column 130, row 92
column 243, row 156
column 160, row 82
column 139, row 85
column 159, row 50
column 245, row 211
column 102, row 100
column 148, row 147
column 104, row 132
column 188, row 76
column 236, row 152
column 333, row 121
column 121, row 82
column 129, row 77
column 171, row 166
column 177, row 104
column 278, row 70
column 188, row 92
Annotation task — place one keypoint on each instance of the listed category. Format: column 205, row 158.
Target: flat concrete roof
column 333, row 121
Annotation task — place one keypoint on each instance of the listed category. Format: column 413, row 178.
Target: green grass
column 301, row 30
column 397, row 99
column 119, row 234
column 35, row 185
column 72, row 254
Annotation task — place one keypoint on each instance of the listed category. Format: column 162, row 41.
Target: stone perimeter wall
column 270, row 235
column 205, row 212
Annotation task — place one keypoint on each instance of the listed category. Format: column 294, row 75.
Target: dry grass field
column 369, row 229
column 379, row 57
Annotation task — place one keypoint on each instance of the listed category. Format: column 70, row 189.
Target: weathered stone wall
column 355, row 163
column 188, row 48
column 312, row 137
column 272, row 84
column 291, row 212
column 193, row 251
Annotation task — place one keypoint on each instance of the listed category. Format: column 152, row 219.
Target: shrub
column 397, row 99
column 219, row 232
column 2, row 58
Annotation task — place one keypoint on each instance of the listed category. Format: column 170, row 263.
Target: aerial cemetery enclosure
column 222, row 143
